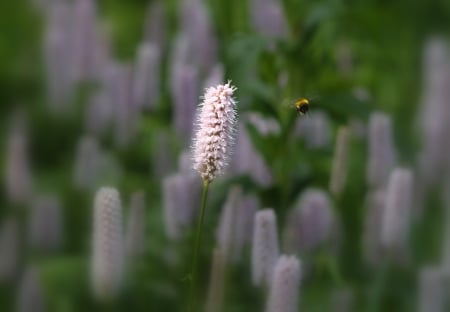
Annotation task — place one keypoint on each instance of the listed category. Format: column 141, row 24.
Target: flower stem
column 198, row 238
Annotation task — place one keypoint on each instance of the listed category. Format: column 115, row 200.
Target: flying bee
column 302, row 106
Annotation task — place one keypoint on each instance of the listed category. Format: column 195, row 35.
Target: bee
column 302, row 106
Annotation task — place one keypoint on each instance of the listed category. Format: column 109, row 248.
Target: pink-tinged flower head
column 215, row 131
column 285, row 285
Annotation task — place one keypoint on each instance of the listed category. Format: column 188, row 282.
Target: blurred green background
column 382, row 42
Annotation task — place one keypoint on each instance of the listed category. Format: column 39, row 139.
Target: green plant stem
column 376, row 291
column 198, row 238
column 334, row 272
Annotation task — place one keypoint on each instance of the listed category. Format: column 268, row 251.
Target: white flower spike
column 215, row 131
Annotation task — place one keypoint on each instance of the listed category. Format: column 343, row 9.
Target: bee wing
column 314, row 98
column 288, row 103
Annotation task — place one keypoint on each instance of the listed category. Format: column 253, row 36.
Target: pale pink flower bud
column 265, row 250
column 108, row 249
column 215, row 131
column 285, row 284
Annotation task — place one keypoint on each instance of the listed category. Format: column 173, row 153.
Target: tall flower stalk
column 213, row 141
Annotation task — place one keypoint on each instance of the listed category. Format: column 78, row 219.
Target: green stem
column 334, row 272
column 376, row 295
column 198, row 238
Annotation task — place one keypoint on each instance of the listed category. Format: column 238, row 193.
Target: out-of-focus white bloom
column 338, row 177
column 315, row 130
column 85, row 37
column 46, row 224
column 227, row 226
column 263, row 11
column 214, row 302
column 181, row 197
column 381, row 151
column 361, row 93
column 87, row 163
column 185, row 95
column 58, row 58
column 434, row 112
column 18, row 178
column 30, row 295
column 358, row 128
column 247, row 207
column 265, row 126
column 215, row 131
column 311, row 223
column 345, row 59
column 125, row 112
column 284, row 288
column 162, row 159
column 398, row 213
column 432, row 294
column 9, row 249
column 146, row 77
column 342, row 300
column 185, row 162
column 236, row 223
column 98, row 114
column 265, row 250
column 155, row 29
column 196, row 23
column 247, row 160
column 374, row 206
column 108, row 246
